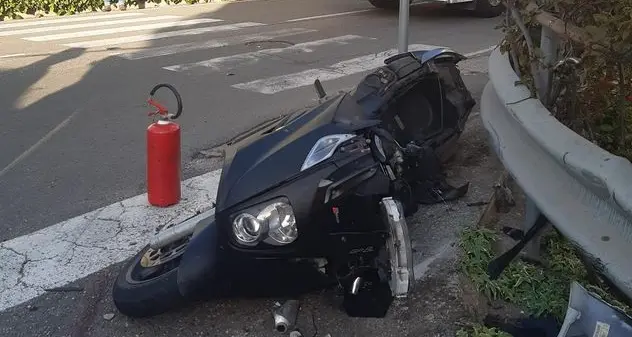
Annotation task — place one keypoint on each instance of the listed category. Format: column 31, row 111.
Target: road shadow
column 15, row 84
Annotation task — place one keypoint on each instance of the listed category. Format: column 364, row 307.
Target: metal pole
column 402, row 35
column 549, row 44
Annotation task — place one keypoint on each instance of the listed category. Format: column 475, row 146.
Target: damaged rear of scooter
column 317, row 198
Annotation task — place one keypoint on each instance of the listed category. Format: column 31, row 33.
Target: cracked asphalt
column 72, row 250
column 96, row 159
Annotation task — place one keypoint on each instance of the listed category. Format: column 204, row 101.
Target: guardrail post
column 532, row 213
column 541, row 153
column 402, row 35
column 549, row 44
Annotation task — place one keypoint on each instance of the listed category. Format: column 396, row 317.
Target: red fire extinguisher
column 163, row 153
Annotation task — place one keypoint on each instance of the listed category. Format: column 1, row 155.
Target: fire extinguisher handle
column 175, row 93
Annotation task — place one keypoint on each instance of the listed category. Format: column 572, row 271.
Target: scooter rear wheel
column 488, row 8
column 147, row 285
column 385, row 4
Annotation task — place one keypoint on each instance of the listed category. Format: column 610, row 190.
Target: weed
column 534, row 289
column 482, row 331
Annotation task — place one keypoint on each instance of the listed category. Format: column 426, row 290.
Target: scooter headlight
column 247, row 229
column 273, row 223
column 280, row 222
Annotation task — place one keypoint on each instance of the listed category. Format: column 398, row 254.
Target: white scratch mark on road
column 75, row 248
column 12, row 55
column 39, row 143
column 331, row 15
column 421, row 269
column 481, row 51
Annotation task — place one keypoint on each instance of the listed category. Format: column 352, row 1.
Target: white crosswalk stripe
column 162, row 35
column 254, row 57
column 215, row 43
column 31, row 23
column 120, row 30
column 352, row 66
column 85, row 25
column 75, row 35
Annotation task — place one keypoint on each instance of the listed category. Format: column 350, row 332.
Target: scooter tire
column 147, row 298
column 385, row 4
column 485, row 9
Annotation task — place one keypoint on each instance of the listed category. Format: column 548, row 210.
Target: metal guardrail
column 584, row 191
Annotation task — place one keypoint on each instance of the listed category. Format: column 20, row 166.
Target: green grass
column 535, row 290
column 482, row 331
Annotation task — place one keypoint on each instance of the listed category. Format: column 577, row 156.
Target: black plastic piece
column 498, row 265
column 319, row 89
column 200, row 262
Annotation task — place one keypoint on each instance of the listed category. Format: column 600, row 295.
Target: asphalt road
column 73, row 128
column 435, row 308
column 74, row 120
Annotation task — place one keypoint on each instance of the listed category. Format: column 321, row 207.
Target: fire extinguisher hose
column 175, row 93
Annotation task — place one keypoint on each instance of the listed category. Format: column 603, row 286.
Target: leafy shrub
column 596, row 103
column 12, row 9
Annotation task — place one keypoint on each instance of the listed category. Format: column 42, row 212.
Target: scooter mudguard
column 424, row 56
column 427, row 55
column 199, row 262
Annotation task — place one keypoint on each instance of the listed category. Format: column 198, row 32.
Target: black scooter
column 318, row 197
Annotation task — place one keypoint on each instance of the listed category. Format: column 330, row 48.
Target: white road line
column 12, row 55
column 330, row 15
column 228, row 41
column 481, row 51
column 240, row 60
column 120, row 30
column 156, row 36
column 75, row 248
column 31, row 23
column 40, row 142
column 85, row 25
column 273, row 85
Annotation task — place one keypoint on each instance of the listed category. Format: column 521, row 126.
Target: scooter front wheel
column 147, row 285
